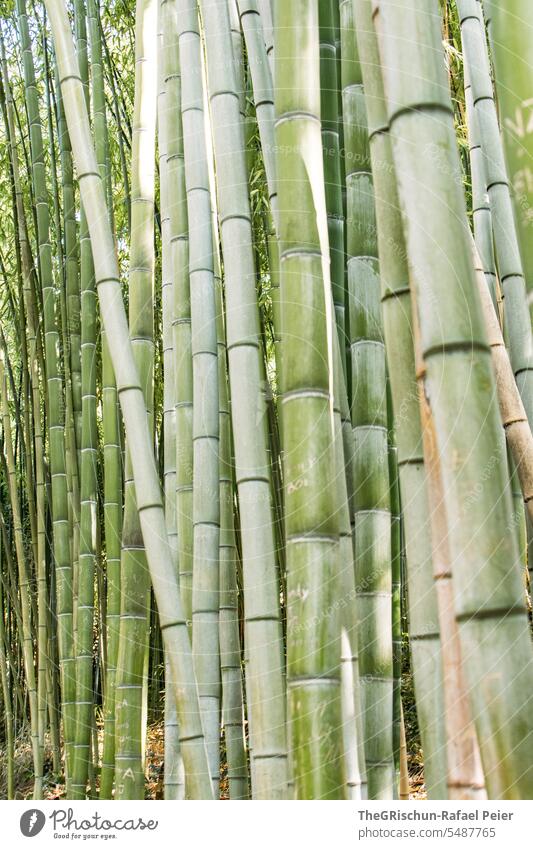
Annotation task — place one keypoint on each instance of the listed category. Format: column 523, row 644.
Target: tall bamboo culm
column 131, row 706
column 397, row 326
column 263, row 635
column 371, row 501
column 458, row 377
column 311, row 523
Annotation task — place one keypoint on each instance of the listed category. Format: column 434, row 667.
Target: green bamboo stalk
column 329, row 86
column 134, row 577
column 70, row 328
column 354, row 754
column 481, row 212
column 267, row 19
column 458, row 384
column 511, row 38
column 396, row 590
column 168, row 40
column 261, row 591
column 517, row 318
column 6, row 692
column 206, row 505
column 312, row 525
column 87, row 444
column 395, row 293
column 136, row 422
column 372, row 510
column 230, row 643
column 111, row 442
column 181, row 321
column 260, row 70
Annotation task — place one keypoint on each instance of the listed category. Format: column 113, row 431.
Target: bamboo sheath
column 136, row 423
column 459, row 377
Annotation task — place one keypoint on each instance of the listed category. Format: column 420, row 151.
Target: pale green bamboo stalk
column 517, row 319
column 372, row 509
column 352, row 715
column 261, row 591
column 263, row 93
column 481, row 213
column 168, row 45
column 70, row 327
column 134, row 578
column 87, row 444
column 112, row 450
column 136, row 422
column 312, row 524
column 395, row 294
column 267, row 16
column 206, row 505
column 181, row 324
column 260, row 70
column 396, row 590
column 459, row 386
column 230, row 644
column 511, row 39
column 329, row 86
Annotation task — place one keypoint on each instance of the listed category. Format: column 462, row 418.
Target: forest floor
column 54, row 787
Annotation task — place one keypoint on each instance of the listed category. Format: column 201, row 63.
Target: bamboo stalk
column 206, row 504
column 134, row 576
column 395, row 295
column 261, row 592
column 311, row 521
column 489, row 610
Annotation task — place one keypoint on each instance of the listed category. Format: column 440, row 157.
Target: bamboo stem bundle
column 136, row 422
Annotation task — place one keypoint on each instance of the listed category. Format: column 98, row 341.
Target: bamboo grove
column 266, row 385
